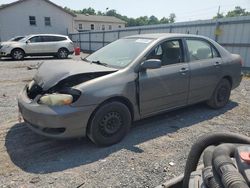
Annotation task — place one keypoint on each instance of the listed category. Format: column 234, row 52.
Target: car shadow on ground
column 37, row 154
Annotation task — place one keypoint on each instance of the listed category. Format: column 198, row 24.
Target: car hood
column 51, row 73
column 7, row 43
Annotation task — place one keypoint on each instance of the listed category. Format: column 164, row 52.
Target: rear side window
column 200, row 49
column 52, row 38
column 60, row 38
column 48, row 38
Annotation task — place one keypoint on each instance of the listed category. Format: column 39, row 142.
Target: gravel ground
column 140, row 160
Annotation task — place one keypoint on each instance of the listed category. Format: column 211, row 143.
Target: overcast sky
column 185, row 10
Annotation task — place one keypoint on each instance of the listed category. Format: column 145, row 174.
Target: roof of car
column 56, row 35
column 164, row 35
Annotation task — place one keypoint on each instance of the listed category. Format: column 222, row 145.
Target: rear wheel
column 17, row 54
column 110, row 124
column 62, row 53
column 220, row 95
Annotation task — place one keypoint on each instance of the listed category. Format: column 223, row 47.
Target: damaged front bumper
column 54, row 121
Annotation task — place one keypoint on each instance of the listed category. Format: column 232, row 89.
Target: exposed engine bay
column 55, row 82
column 226, row 163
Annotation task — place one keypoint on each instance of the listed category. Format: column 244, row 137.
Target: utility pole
column 217, row 26
column 218, row 11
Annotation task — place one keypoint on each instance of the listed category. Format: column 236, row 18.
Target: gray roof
column 95, row 18
column 3, row 6
column 164, row 35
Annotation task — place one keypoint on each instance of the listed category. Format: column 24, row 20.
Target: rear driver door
column 205, row 68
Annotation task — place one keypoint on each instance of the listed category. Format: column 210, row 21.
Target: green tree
column 153, row 20
column 143, row 20
column 164, row 20
column 238, row 11
column 219, row 15
column 89, row 11
column 172, row 17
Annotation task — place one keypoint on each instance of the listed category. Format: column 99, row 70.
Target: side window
column 169, row 52
column 48, row 38
column 32, row 20
column 47, row 21
column 35, row 39
column 199, row 49
column 80, row 26
column 92, row 26
column 60, row 38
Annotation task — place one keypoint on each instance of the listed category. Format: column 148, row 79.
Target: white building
column 25, row 17
column 97, row 23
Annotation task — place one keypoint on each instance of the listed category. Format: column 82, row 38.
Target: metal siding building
column 15, row 19
column 233, row 33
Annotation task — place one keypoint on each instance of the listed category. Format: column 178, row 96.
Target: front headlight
column 5, row 46
column 56, row 99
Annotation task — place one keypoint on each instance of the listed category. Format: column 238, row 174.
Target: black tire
column 220, row 95
column 62, row 53
column 110, row 123
column 17, row 54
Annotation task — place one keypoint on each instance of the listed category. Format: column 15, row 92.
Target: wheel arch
column 63, row 48
column 120, row 99
column 18, row 48
column 229, row 78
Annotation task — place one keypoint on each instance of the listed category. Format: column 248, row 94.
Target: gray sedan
column 128, row 80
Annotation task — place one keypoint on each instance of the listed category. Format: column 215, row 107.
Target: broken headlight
column 56, row 99
column 65, row 96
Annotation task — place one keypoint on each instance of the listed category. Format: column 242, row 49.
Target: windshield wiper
column 99, row 63
column 84, row 59
column 95, row 62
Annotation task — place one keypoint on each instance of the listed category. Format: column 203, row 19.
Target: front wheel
column 17, row 54
column 109, row 124
column 220, row 95
column 62, row 53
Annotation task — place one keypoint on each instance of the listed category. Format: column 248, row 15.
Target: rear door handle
column 183, row 70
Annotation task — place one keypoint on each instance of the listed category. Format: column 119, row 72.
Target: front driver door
column 34, row 45
column 166, row 87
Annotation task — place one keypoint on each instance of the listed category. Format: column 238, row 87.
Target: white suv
column 59, row 46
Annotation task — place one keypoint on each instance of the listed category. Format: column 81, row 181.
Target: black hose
column 208, row 156
column 209, row 175
column 226, row 168
column 202, row 143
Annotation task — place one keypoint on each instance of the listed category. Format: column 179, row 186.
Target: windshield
column 120, row 53
column 16, row 38
column 24, row 39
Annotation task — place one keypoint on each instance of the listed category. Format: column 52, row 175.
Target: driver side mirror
column 28, row 41
column 151, row 64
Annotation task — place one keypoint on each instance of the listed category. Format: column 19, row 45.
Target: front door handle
column 184, row 70
column 217, row 64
